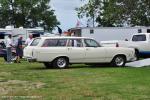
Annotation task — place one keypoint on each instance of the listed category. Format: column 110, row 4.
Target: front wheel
column 119, row 61
column 61, row 63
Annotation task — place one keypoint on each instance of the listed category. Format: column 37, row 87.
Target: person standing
column 9, row 45
column 19, row 49
column 28, row 41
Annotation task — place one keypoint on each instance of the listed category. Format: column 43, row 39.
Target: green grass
column 31, row 81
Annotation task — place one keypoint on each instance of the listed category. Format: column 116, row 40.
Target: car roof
column 65, row 37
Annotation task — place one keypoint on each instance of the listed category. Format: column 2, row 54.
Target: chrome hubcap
column 119, row 61
column 61, row 62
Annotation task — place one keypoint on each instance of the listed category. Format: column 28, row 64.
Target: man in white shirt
column 28, row 41
column 8, row 48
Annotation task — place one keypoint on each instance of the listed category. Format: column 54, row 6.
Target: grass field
column 31, row 81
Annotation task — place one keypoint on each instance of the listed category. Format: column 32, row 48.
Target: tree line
column 27, row 13
column 116, row 13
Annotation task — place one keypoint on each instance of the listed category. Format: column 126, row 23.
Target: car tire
column 119, row 61
column 137, row 55
column 61, row 63
column 48, row 65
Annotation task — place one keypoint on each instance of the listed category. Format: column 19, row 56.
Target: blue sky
column 65, row 12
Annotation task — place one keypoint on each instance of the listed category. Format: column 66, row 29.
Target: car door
column 94, row 53
column 76, row 51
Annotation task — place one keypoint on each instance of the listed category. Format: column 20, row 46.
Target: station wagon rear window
column 35, row 42
column 139, row 38
column 54, row 43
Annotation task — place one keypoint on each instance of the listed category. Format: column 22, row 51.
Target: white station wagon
column 61, row 51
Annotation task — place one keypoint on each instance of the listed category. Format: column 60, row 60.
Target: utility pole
column 93, row 19
column 92, row 5
column 12, row 12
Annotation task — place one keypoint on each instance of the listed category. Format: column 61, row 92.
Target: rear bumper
column 30, row 59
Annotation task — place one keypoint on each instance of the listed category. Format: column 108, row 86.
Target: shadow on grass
column 38, row 68
column 93, row 66
column 75, row 66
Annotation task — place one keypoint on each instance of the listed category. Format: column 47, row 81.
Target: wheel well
column 120, row 55
column 62, row 57
column 136, row 51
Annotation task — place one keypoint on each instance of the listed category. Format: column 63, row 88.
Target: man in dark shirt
column 19, row 50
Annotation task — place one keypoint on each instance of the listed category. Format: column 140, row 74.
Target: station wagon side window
column 91, row 43
column 35, row 42
column 54, row 43
column 75, row 43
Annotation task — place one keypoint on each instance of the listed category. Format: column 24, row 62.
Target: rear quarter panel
column 48, row 54
column 113, row 51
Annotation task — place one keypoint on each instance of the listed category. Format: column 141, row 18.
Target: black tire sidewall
column 137, row 55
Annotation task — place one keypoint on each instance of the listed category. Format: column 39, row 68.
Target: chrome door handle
column 87, row 49
column 69, row 48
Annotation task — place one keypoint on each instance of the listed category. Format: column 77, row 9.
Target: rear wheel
column 61, row 63
column 48, row 65
column 119, row 61
column 136, row 55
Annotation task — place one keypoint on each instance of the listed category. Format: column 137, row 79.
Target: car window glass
column 35, row 42
column 54, row 43
column 139, row 38
column 91, row 43
column 75, row 43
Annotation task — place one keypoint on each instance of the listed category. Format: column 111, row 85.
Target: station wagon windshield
column 91, row 43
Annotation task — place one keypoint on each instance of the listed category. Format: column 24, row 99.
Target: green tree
column 119, row 12
column 90, row 10
column 27, row 13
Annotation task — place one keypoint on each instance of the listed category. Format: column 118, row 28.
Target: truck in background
column 140, row 42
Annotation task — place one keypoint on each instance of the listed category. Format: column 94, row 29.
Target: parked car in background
column 61, row 51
